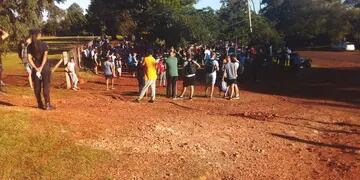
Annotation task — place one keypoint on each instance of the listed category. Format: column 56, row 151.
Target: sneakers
column 152, row 101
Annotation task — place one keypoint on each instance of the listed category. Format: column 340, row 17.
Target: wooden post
column 67, row 77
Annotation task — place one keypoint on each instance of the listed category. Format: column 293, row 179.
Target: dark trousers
column 141, row 84
column 171, row 86
column 42, row 85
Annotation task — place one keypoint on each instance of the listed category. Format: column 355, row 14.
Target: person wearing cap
column 41, row 71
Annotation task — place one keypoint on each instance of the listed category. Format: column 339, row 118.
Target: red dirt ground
column 307, row 129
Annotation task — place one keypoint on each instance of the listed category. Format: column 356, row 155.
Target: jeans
column 171, row 86
column 162, row 78
column 42, row 84
column 152, row 85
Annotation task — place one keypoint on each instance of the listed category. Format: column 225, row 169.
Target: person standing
column 190, row 68
column 150, row 77
column 140, row 75
column 23, row 54
column 3, row 36
column 118, row 64
column 109, row 72
column 162, row 73
column 231, row 74
column 211, row 68
column 70, row 69
column 172, row 75
column 41, row 72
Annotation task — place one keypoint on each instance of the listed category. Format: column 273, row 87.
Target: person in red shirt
column 161, row 69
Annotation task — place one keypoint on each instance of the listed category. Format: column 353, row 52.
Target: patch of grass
column 30, row 151
column 12, row 62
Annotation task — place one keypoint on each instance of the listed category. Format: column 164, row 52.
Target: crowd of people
column 220, row 65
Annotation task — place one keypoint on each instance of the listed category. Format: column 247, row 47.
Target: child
column 162, row 73
column 70, row 69
column 109, row 72
column 118, row 64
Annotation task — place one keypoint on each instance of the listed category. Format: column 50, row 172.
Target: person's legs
column 37, row 89
column 232, row 91
column 141, row 83
column 191, row 91
column 30, row 81
column 164, row 80
column 144, row 89
column 107, row 84
column 212, row 90
column 112, row 83
column 46, row 80
column 173, row 86
column 183, row 92
column 28, row 71
column 76, row 80
column 237, row 92
column 119, row 72
column 153, row 89
column 168, row 87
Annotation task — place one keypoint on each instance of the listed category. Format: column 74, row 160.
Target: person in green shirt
column 172, row 75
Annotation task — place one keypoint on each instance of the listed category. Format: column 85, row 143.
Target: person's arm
column 185, row 63
column 113, row 70
column 31, row 62
column 44, row 60
column 197, row 64
column 4, row 34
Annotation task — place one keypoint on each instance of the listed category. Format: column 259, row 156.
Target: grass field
column 30, row 149
column 33, row 148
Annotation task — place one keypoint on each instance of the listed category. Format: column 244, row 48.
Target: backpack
column 210, row 67
column 190, row 68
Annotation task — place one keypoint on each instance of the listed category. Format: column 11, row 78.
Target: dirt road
column 308, row 129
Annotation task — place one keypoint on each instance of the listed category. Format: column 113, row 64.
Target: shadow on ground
column 335, row 84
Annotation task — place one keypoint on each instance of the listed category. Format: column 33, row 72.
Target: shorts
column 27, row 68
column 109, row 76
column 189, row 81
column 231, row 82
column 210, row 79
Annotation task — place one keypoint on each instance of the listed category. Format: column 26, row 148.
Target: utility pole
column 250, row 22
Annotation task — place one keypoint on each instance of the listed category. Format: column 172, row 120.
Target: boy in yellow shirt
column 149, row 64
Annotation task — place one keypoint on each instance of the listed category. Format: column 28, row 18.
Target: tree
column 305, row 22
column 17, row 17
column 74, row 21
column 53, row 24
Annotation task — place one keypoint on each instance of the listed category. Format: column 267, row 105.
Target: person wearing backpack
column 211, row 68
column 190, row 67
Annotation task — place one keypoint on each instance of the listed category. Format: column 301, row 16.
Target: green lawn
column 29, row 150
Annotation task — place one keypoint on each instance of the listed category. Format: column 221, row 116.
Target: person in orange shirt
column 150, row 77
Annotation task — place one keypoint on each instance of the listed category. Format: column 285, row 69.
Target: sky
column 215, row 4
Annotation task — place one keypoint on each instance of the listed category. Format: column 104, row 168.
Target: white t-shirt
column 71, row 66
